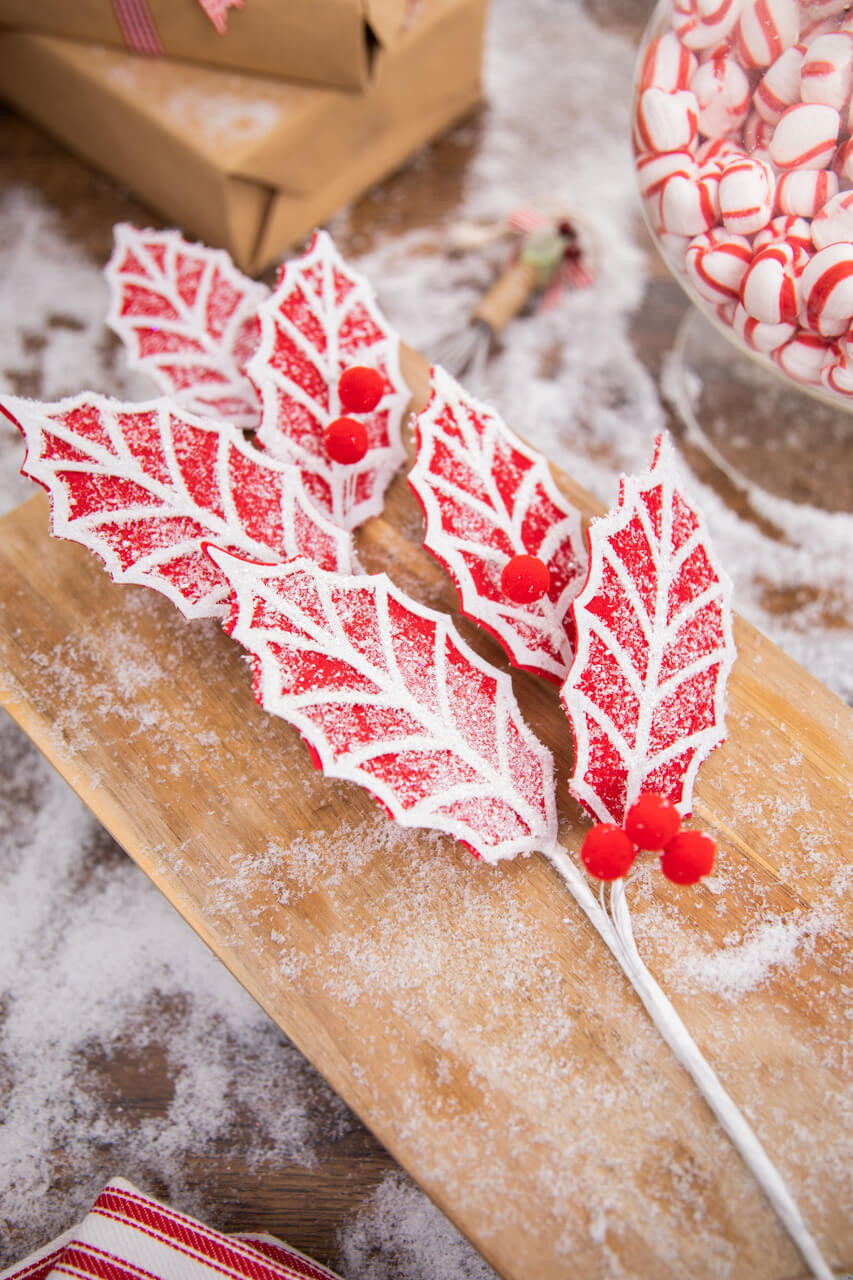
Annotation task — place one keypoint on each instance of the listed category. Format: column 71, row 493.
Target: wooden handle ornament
column 508, row 296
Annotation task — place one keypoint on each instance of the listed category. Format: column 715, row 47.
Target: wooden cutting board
column 470, row 1015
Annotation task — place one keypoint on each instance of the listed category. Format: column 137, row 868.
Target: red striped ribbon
column 137, row 27
column 128, row 1236
column 140, row 30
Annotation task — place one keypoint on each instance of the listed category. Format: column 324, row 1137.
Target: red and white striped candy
column 834, row 223
column 827, row 72
column 673, row 248
column 797, row 231
column 654, row 167
column 827, row 289
column 805, row 136
column 802, row 192
column 667, row 64
column 702, row 23
column 770, row 289
column 690, row 206
column 747, row 195
column 720, row 149
column 842, row 161
column 803, row 356
column 715, row 263
column 779, row 87
column 666, row 121
column 766, row 29
column 725, row 313
column 837, row 372
column 723, row 95
column 761, row 337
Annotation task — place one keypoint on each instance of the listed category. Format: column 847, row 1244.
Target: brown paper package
column 242, row 162
column 328, row 42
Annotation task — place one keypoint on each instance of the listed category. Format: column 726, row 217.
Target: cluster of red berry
column 359, row 391
column 652, row 823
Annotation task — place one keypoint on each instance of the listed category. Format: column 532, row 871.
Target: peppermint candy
column 655, row 167
column 715, row 264
column 766, row 29
column 747, row 194
column 666, row 121
column 803, row 357
column 762, row 337
column 770, row 291
column 826, row 75
column 688, row 207
column 667, row 65
column 804, row 192
column 722, row 91
column 827, row 289
column 788, row 227
column 836, row 373
column 701, row 24
column 779, row 87
column 805, row 136
column 834, row 222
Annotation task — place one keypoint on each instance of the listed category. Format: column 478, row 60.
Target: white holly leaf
column 646, row 691
column 321, row 320
column 144, row 486
column 188, row 318
column 388, row 695
column 487, row 497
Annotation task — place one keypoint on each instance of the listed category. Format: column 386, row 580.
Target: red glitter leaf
column 321, row 320
column 487, row 497
column 646, row 691
column 188, row 318
column 388, row 695
column 144, row 486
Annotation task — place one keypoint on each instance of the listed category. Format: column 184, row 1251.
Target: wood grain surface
column 470, row 1016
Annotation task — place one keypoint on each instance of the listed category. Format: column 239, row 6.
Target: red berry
column 652, row 821
column 525, row 579
column 688, row 857
column 360, row 389
column 607, row 853
column 345, row 440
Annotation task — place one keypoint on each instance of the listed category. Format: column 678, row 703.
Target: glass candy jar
column 743, row 140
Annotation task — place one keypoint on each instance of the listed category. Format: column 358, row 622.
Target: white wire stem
column 614, row 926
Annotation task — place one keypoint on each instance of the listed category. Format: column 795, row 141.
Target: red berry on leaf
column 360, row 389
column 345, row 440
column 525, row 579
column 688, row 857
column 607, row 852
column 652, row 821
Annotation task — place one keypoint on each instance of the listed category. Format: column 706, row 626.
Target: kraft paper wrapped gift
column 329, row 42
column 243, row 162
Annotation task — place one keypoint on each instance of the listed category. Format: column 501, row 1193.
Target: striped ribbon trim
column 137, row 27
column 127, row 1236
column 140, row 30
